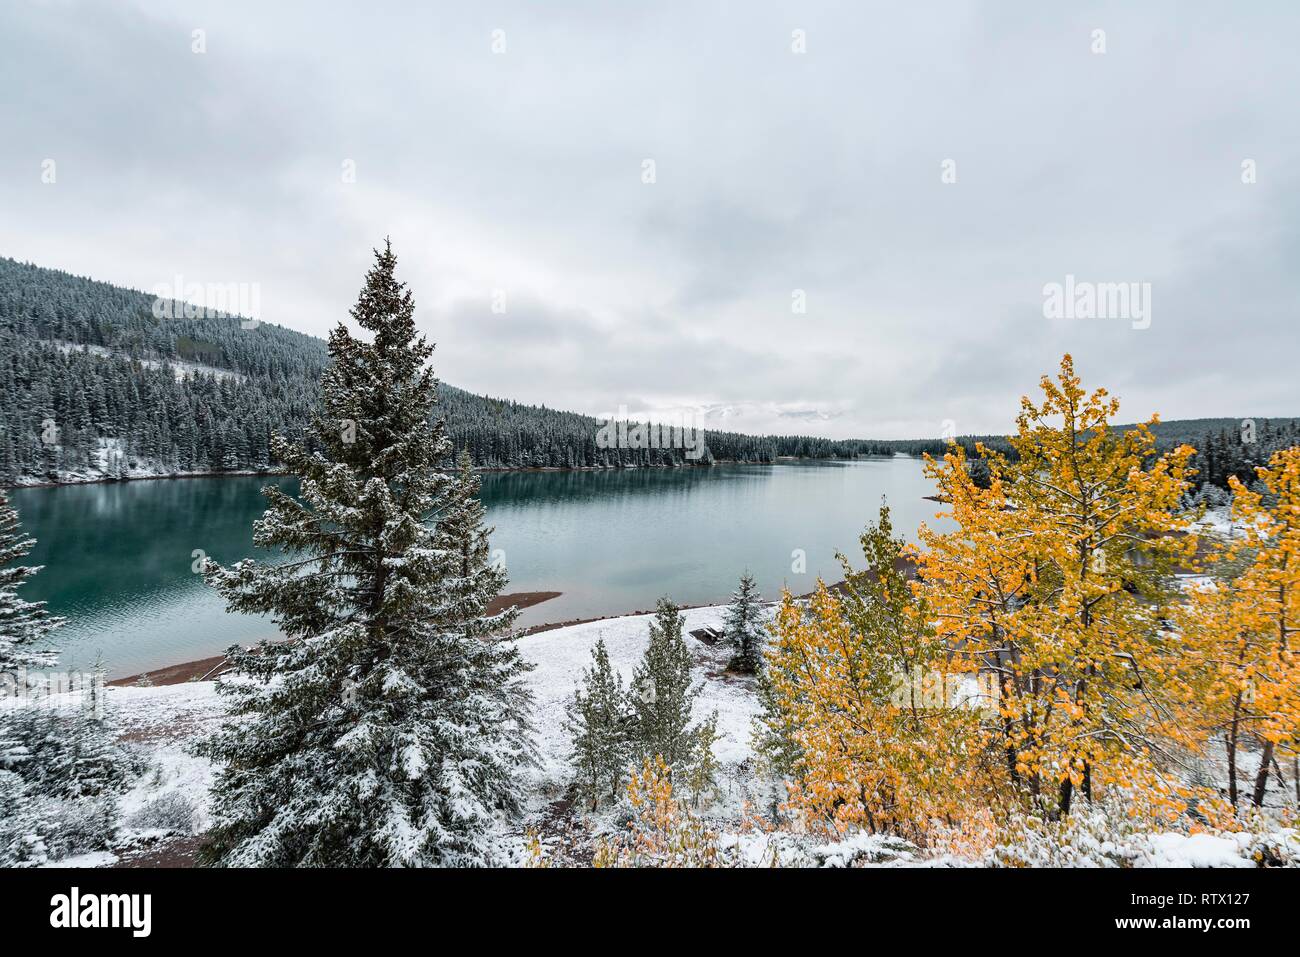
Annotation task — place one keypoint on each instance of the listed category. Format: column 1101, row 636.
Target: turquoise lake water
column 119, row 556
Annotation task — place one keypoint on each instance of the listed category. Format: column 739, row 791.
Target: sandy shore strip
column 208, row 668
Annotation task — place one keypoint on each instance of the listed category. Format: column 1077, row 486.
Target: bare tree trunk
column 1004, row 685
column 1231, row 743
column 1067, row 793
column 1261, row 779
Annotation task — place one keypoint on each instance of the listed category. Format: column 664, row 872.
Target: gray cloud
column 521, row 172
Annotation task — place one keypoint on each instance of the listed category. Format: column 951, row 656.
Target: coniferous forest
column 132, row 394
column 96, row 386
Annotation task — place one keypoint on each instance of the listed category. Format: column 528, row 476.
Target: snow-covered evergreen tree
column 64, row 752
column 662, row 692
column 22, row 829
column 744, row 625
column 388, row 729
column 597, row 722
column 53, row 763
column 22, row 623
column 473, row 580
column 702, row 772
column 772, row 736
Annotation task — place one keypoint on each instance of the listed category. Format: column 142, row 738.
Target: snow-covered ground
column 111, row 463
column 161, row 723
column 1216, row 521
column 164, row 721
column 560, row 656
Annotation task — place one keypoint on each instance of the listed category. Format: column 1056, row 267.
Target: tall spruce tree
column 389, row 729
column 744, row 625
column 22, row 623
column 662, row 692
column 597, row 722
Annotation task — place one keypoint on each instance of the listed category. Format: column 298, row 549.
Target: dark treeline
column 93, row 384
column 1225, row 447
column 1230, row 447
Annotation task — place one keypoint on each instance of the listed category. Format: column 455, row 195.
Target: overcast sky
column 775, row 171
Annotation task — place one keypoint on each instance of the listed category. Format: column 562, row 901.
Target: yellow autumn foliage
column 1068, row 659
column 1056, row 582
column 878, row 748
column 663, row 831
column 1241, row 672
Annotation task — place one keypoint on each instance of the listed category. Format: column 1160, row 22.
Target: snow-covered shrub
column 22, row 832
column 664, row 832
column 1105, row 834
column 861, row 848
column 62, row 771
column 64, row 753
column 171, row 813
column 757, row 844
column 37, row 828
column 78, row 825
column 1100, row 834
column 1279, row 847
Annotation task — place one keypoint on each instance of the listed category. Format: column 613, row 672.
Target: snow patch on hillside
column 180, row 367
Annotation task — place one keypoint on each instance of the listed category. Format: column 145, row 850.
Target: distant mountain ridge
column 96, row 386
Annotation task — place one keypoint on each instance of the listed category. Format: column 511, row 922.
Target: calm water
column 118, row 556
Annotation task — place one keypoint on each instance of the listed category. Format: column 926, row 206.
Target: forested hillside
column 94, row 385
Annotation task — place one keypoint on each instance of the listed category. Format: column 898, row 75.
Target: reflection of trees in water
column 541, row 488
column 134, row 537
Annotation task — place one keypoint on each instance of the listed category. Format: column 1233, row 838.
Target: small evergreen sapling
column 702, row 772
column 662, row 692
column 64, row 753
column 744, row 626
column 773, row 730
column 597, row 721
column 23, row 829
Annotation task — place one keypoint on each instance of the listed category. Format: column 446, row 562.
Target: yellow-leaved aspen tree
column 1056, row 582
column 1243, row 673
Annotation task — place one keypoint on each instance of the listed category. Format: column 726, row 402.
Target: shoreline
column 203, row 668
column 273, row 473
column 246, row 473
